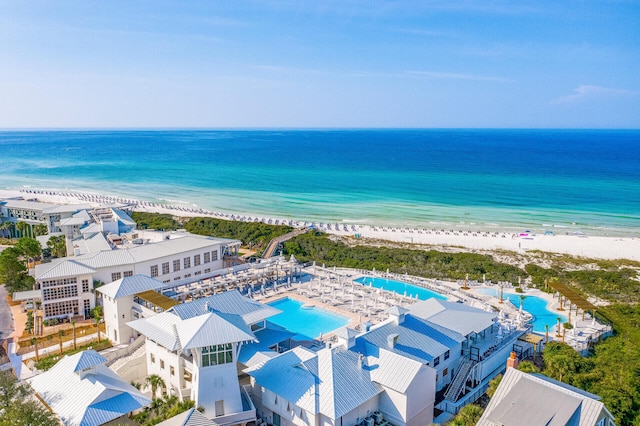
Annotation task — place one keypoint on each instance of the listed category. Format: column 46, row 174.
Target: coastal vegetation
column 255, row 235
column 13, row 268
column 158, row 221
column 427, row 263
column 18, row 406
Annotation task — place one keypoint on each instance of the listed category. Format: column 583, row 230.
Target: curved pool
column 536, row 306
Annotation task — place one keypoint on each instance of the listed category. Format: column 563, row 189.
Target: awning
column 157, row 299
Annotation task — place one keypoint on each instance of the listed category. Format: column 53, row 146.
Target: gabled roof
column 417, row 339
column 87, row 359
column 82, row 391
column 459, row 317
column 191, row 417
column 63, row 268
column 212, row 329
column 128, row 286
column 230, row 302
column 347, row 333
column 160, row 328
column 330, row 382
column 540, row 401
column 393, row 371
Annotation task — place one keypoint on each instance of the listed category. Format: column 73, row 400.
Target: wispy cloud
column 586, row 91
column 456, row 76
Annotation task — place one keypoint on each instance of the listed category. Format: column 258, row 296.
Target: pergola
column 573, row 297
column 153, row 299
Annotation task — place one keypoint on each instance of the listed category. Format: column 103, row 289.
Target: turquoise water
column 400, row 288
column 536, row 306
column 560, row 180
column 308, row 323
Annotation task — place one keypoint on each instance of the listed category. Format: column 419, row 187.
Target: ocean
column 558, row 180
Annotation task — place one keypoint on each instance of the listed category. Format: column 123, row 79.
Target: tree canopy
column 19, row 408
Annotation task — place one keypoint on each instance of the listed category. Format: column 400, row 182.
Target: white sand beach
column 597, row 247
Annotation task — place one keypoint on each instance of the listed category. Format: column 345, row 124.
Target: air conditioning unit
column 369, row 421
column 378, row 416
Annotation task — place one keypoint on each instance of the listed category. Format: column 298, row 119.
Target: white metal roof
column 541, row 401
column 128, row 286
column 459, row 317
column 61, row 269
column 329, row 381
column 393, row 371
column 212, row 329
column 230, row 302
column 86, row 396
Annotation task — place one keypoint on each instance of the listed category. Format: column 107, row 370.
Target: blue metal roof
column 417, row 339
column 112, row 408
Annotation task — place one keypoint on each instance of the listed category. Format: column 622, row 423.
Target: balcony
column 248, row 413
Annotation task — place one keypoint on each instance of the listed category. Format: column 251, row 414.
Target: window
column 85, row 286
column 178, row 278
column 207, row 257
column 187, row 262
column 172, row 370
column 217, row 354
column 165, row 268
column 176, row 265
column 446, row 355
column 219, row 407
column 197, row 273
column 445, row 372
column 436, row 361
column 276, row 419
column 162, row 364
column 60, row 292
column 116, row 276
column 128, row 274
column 196, row 260
column 154, row 271
column 153, row 358
column 66, row 308
column 187, row 275
column 206, row 271
column 214, row 255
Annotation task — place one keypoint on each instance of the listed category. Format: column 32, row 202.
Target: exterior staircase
column 457, row 385
column 274, row 243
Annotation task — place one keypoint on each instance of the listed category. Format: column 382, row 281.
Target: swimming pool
column 536, row 306
column 308, row 323
column 400, row 288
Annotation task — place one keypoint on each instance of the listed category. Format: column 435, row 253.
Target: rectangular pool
column 307, row 322
column 400, row 288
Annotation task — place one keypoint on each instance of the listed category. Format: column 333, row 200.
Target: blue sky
column 342, row 63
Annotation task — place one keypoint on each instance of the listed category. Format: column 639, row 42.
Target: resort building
column 435, row 354
column 174, row 258
column 195, row 348
column 81, row 390
column 128, row 299
column 33, row 212
column 542, row 401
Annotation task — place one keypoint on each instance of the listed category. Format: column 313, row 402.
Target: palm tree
column 73, row 324
column 22, row 227
column 60, row 336
column 155, row 382
column 40, row 229
column 6, row 226
column 546, row 333
column 97, row 317
column 34, row 342
column 558, row 327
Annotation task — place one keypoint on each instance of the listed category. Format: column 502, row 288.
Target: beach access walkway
column 274, row 243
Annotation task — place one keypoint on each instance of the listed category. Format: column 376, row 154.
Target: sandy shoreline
column 597, row 247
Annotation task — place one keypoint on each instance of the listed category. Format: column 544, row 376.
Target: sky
column 319, row 64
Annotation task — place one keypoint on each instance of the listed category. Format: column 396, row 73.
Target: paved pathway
column 6, row 316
